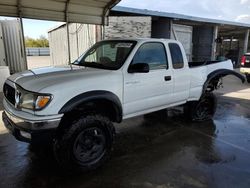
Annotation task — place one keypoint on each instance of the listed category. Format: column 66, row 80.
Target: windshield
column 106, row 54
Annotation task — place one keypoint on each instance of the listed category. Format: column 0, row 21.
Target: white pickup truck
column 73, row 107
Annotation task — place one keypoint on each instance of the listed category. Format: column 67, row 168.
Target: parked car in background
column 245, row 66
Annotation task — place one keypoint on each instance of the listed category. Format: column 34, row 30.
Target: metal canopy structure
column 145, row 12
column 78, row 11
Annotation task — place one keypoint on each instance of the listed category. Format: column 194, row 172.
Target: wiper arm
column 91, row 64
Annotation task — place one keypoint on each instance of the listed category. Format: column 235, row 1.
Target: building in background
column 203, row 39
column 82, row 36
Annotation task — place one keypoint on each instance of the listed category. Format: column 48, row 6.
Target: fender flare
column 91, row 96
column 219, row 74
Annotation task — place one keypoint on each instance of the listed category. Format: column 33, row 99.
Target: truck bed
column 201, row 63
column 199, row 72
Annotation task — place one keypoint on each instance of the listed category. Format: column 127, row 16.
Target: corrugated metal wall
column 128, row 27
column 183, row 34
column 202, row 43
column 13, row 44
column 161, row 27
column 82, row 36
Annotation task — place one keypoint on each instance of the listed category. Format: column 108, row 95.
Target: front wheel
column 202, row 110
column 86, row 144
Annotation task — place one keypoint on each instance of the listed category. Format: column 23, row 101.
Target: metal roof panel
column 80, row 11
column 176, row 16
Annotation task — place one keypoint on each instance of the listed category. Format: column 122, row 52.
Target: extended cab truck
column 245, row 66
column 74, row 106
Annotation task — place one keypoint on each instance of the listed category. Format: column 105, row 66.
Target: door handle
column 167, row 78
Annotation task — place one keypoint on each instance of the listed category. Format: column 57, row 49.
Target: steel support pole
column 231, row 43
column 23, row 50
column 67, row 28
column 214, row 44
column 68, row 42
column 246, row 41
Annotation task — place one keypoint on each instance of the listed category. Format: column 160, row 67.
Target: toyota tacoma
column 74, row 107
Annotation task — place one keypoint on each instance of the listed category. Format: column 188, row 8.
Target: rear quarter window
column 176, row 55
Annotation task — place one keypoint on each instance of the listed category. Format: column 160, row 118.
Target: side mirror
column 138, row 68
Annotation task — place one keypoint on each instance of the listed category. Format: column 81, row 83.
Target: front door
column 146, row 92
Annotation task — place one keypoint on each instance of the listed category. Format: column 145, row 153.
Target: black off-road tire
column 248, row 78
column 202, row 110
column 77, row 143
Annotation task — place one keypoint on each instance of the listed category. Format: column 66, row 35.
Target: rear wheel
column 86, row 144
column 202, row 110
column 248, row 78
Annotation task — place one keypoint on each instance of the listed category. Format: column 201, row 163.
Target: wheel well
column 100, row 106
column 212, row 85
column 213, row 79
column 105, row 103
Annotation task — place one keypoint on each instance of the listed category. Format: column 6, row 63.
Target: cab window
column 154, row 54
column 176, row 55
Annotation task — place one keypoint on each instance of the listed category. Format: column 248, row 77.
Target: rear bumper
column 30, row 131
column 245, row 70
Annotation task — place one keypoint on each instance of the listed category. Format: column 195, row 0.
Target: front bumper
column 30, row 131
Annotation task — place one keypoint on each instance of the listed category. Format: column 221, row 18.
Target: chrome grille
column 9, row 93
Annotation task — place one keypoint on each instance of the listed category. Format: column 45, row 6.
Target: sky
column 35, row 28
column 232, row 10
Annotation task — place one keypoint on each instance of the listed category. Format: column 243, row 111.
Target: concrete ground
column 152, row 152
column 38, row 61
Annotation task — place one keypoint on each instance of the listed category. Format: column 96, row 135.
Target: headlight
column 30, row 100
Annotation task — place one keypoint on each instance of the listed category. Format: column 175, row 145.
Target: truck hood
column 37, row 79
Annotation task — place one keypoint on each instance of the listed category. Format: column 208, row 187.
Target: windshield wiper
column 92, row 64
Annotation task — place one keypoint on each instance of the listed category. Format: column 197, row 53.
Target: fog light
column 25, row 134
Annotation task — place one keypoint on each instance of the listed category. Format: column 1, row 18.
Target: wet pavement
column 155, row 151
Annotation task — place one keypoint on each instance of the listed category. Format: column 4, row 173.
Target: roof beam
column 107, row 9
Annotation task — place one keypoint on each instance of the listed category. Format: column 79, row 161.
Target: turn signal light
column 42, row 101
